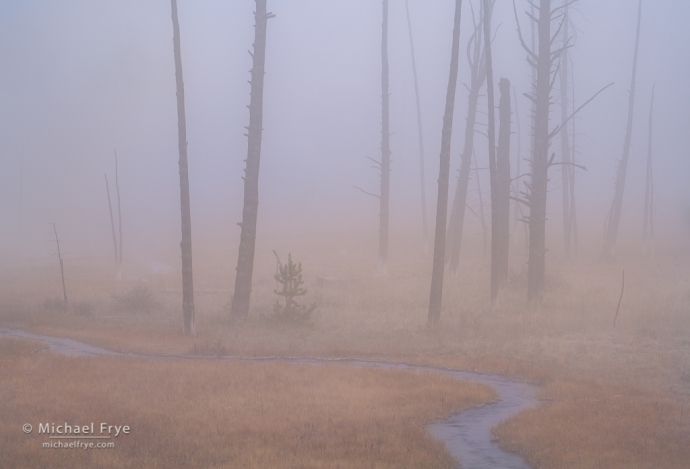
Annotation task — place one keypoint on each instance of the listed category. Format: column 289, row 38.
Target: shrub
column 289, row 276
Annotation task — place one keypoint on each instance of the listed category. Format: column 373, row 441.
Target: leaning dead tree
column 385, row 164
column 118, row 249
column 112, row 227
column 614, row 216
column 477, row 64
column 500, row 195
column 436, row 293
column 62, row 270
column 245, row 260
column 543, row 60
column 186, row 244
column 648, row 221
column 425, row 236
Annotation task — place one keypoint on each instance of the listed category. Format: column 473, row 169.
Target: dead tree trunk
column 245, row 260
column 485, row 234
column 62, row 270
column 566, row 168
column 186, row 244
column 384, row 199
column 491, row 133
column 573, row 206
column 614, row 217
column 119, row 218
column 648, row 222
column 518, row 215
column 500, row 190
column 425, row 235
column 436, row 293
column 112, row 224
column 476, row 60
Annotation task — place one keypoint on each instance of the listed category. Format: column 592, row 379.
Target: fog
column 80, row 79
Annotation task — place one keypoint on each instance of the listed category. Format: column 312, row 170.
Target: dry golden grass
column 589, row 425
column 225, row 414
column 569, row 337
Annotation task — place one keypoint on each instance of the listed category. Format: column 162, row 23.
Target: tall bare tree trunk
column 566, row 168
column 476, row 60
column 245, row 260
column 495, row 256
column 518, row 215
column 485, row 232
column 425, row 235
column 614, row 216
column 436, row 293
column 648, row 223
column 186, row 244
column 500, row 190
column 573, row 206
column 384, row 198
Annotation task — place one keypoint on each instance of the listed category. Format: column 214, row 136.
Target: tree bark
column 186, row 244
column 500, row 209
column 384, row 199
column 518, row 215
column 425, row 236
column 436, row 293
column 477, row 63
column 245, row 260
column 648, row 222
column 495, row 250
column 614, row 217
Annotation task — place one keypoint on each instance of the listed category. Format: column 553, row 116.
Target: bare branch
column 522, row 41
column 558, row 127
column 367, row 193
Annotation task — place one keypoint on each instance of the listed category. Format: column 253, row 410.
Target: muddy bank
column 467, row 435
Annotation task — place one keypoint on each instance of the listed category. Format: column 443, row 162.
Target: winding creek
column 467, row 435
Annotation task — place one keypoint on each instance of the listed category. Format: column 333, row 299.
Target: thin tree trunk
column 425, row 235
column 384, row 198
column 186, row 244
column 518, row 177
column 573, row 206
column 476, row 60
column 112, row 224
column 119, row 221
column 485, row 234
column 614, row 217
column 436, row 293
column 540, row 159
column 245, row 260
column 62, row 270
column 566, row 168
column 495, row 250
column 500, row 209
column 647, row 231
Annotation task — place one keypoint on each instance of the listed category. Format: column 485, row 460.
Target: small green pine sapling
column 289, row 276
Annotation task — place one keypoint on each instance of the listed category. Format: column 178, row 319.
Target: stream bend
column 467, row 435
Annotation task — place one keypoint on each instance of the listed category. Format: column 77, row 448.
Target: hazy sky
column 79, row 78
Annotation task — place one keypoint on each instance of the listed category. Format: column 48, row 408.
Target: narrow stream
column 467, row 434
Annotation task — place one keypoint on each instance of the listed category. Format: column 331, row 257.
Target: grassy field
column 567, row 342
column 225, row 414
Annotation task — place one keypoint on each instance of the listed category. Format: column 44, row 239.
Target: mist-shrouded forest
column 492, row 186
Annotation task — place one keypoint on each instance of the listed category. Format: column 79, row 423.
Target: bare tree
column 186, row 244
column 543, row 61
column 518, row 216
column 500, row 196
column 436, row 293
column 485, row 231
column 385, row 166
column 245, row 260
column 62, row 270
column 119, row 216
column 614, row 216
column 477, row 63
column 425, row 236
column 648, row 222
column 566, row 168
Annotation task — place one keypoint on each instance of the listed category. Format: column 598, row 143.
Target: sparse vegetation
column 289, row 277
column 138, row 299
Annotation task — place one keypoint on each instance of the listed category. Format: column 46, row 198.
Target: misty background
column 81, row 78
